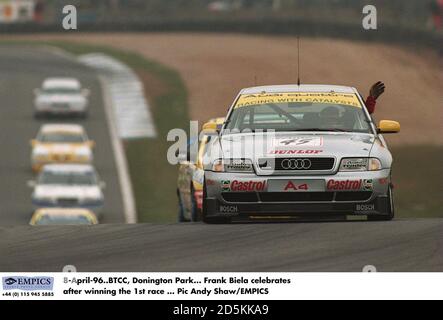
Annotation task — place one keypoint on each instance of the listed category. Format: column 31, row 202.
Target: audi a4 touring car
column 191, row 173
column 68, row 186
column 61, row 143
column 305, row 152
column 61, row 96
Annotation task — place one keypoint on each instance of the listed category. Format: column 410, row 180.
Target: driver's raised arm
column 376, row 91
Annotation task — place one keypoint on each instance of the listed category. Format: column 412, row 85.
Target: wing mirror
column 388, row 126
column 33, row 143
column 102, row 185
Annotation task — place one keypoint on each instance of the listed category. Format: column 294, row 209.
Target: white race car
column 68, row 186
column 61, row 143
column 61, row 96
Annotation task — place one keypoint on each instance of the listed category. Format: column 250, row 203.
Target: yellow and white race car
column 63, row 216
column 191, row 174
column 61, row 143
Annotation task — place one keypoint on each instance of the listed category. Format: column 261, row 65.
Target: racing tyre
column 194, row 209
column 391, row 212
column 181, row 209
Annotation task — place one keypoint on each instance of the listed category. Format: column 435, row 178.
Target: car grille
column 61, row 105
column 62, row 157
column 267, row 197
column 240, row 196
column 296, row 196
column 67, row 202
column 297, row 164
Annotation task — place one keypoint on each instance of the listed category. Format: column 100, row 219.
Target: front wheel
column 181, row 209
column 390, row 210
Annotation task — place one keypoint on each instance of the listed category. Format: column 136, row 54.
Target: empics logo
column 28, row 283
column 10, row 281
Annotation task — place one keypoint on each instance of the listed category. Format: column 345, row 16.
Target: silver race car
column 61, row 96
column 304, row 152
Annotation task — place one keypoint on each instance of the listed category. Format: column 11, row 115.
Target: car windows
column 299, row 116
column 61, row 138
column 51, row 220
column 65, row 91
column 68, row 178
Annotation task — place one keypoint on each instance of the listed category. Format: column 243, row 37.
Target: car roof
column 70, row 83
column 78, row 168
column 299, row 88
column 67, row 128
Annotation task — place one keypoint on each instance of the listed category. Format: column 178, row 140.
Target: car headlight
column 83, row 153
column 232, row 165
column 360, row 164
column 40, row 154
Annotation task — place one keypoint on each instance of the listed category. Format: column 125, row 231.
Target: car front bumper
column 96, row 207
column 325, row 198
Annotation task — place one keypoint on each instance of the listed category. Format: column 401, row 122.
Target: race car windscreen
column 67, row 178
column 61, row 91
column 298, row 112
column 61, row 138
column 49, row 220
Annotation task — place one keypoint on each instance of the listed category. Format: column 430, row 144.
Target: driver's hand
column 377, row 90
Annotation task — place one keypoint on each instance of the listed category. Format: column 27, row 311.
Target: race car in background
column 63, row 216
column 191, row 175
column 61, row 143
column 61, row 96
column 304, row 152
column 68, row 186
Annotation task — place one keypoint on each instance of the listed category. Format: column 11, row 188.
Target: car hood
column 60, row 191
column 253, row 146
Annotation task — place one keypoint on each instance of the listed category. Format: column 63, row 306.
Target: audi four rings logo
column 296, row 164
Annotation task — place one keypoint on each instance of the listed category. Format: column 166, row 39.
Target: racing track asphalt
column 23, row 68
column 403, row 245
